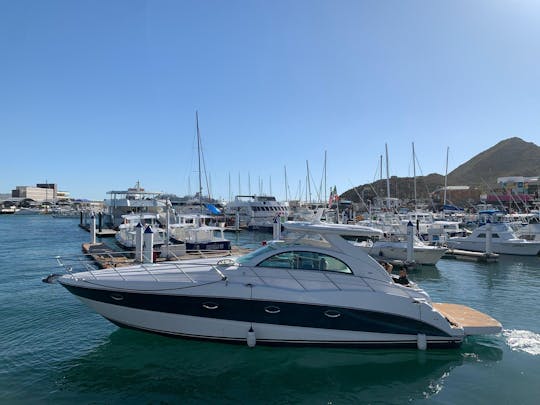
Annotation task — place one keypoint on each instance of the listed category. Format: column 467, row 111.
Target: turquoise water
column 53, row 349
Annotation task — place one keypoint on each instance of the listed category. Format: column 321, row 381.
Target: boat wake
column 523, row 341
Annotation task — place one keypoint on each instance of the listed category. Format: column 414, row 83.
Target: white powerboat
column 392, row 245
column 531, row 230
column 503, row 241
column 193, row 231
column 395, row 248
column 127, row 231
column 314, row 289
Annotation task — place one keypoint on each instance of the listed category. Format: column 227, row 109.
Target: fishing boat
column 497, row 237
column 313, row 289
column 393, row 245
column 530, row 230
column 395, row 248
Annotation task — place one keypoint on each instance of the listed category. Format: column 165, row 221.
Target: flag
column 334, row 197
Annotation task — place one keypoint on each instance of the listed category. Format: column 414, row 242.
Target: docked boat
column 497, row 237
column 193, row 231
column 530, row 230
column 395, row 248
column 256, row 212
column 393, row 245
column 134, row 200
column 127, row 231
column 315, row 288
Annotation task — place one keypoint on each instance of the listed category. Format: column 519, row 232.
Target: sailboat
column 192, row 229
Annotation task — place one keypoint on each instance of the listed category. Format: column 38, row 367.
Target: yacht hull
column 274, row 323
column 520, row 249
column 425, row 256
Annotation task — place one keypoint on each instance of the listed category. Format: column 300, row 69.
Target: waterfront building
column 39, row 193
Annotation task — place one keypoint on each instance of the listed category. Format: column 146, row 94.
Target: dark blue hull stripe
column 265, row 312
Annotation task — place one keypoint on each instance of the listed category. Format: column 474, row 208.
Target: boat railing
column 69, row 265
column 66, row 264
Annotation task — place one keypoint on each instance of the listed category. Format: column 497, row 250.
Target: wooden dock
column 472, row 321
column 105, row 257
column 471, row 256
column 101, row 233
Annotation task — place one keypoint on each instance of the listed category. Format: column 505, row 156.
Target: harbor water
column 53, row 349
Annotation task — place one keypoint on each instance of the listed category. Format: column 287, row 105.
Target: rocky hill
column 511, row 157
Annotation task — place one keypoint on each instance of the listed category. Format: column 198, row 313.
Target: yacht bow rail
column 70, row 267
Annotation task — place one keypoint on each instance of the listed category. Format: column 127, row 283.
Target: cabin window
column 483, row 235
column 306, row 261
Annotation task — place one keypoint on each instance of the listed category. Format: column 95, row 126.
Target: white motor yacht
column 392, row 245
column 531, row 230
column 313, row 289
column 395, row 248
column 193, row 231
column 126, row 235
column 503, row 241
column 256, row 212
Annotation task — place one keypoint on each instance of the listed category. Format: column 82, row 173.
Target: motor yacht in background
column 530, row 230
column 134, row 200
column 256, row 212
column 395, row 248
column 196, row 233
column 500, row 238
column 126, row 235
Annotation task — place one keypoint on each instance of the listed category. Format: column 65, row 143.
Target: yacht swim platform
column 472, row 321
column 482, row 257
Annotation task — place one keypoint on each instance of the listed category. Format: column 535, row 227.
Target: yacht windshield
column 258, row 252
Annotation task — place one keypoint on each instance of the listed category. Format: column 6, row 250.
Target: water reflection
column 137, row 366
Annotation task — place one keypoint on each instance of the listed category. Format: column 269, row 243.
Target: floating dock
column 102, row 233
column 482, row 257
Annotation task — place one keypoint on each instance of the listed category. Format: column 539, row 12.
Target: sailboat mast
column 414, row 174
column 446, row 176
column 387, row 179
column 286, row 193
column 199, row 155
column 325, row 198
column 308, row 180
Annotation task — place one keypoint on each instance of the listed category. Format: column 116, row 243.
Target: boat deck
column 472, row 321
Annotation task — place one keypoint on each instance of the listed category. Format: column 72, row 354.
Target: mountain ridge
column 509, row 157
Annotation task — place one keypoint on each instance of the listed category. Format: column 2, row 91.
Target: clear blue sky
column 95, row 95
